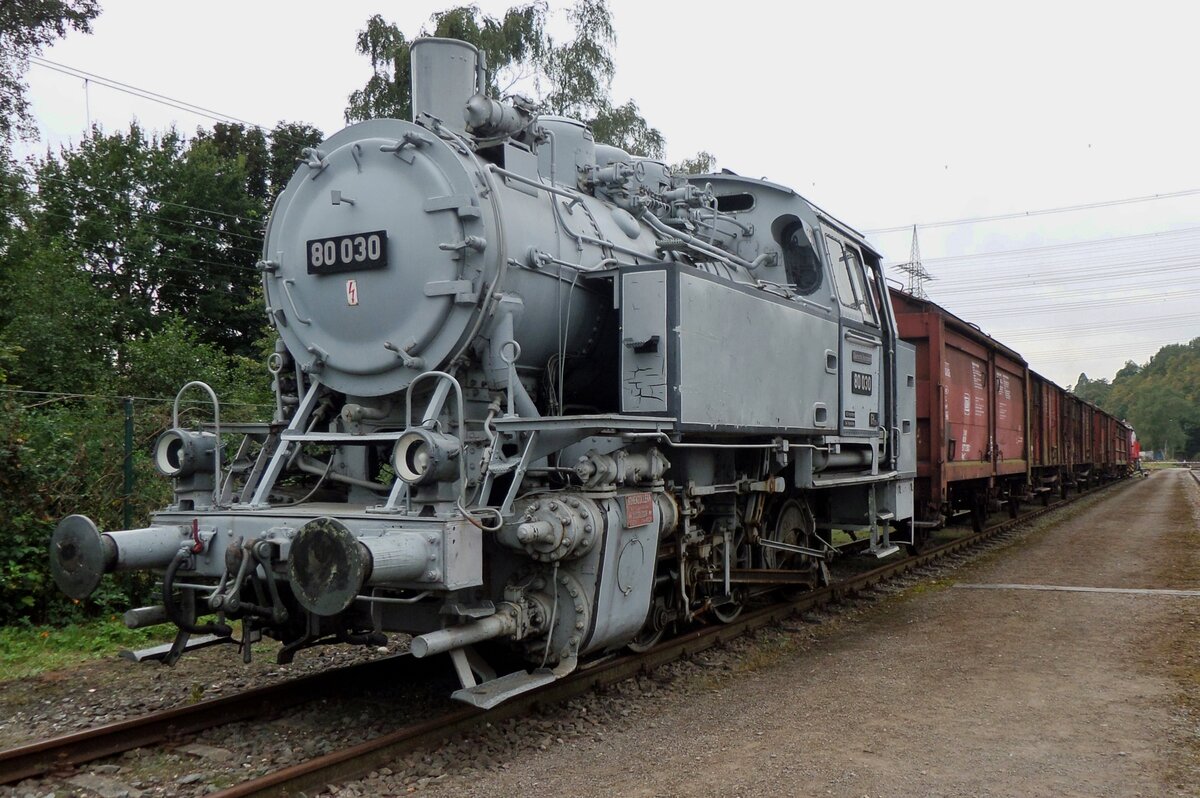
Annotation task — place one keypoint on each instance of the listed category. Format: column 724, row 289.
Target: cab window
column 873, row 289
column 854, row 266
column 839, row 263
column 800, row 261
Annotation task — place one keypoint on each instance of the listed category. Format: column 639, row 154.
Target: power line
column 62, row 395
column 1083, row 279
column 144, row 94
column 1067, row 307
column 1040, row 212
column 999, row 253
column 1128, row 325
column 161, row 99
column 1086, row 274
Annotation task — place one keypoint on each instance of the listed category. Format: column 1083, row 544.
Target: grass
column 29, row 650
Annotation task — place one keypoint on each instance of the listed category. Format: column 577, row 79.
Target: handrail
column 216, row 431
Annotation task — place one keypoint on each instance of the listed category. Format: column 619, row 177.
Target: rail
column 39, row 758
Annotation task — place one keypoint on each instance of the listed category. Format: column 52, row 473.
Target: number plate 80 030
column 354, row 252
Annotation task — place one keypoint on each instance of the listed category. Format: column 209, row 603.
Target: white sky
column 883, row 113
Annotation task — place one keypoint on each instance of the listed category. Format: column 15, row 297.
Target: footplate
column 496, row 691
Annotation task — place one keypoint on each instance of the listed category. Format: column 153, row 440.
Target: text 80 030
column 347, row 253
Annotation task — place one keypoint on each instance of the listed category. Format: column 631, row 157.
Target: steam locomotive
column 534, row 395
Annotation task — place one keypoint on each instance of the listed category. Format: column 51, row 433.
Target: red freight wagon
column 1103, row 454
column 1123, row 435
column 1081, row 458
column 1072, row 431
column 972, row 443
column 1087, row 455
column 1048, row 452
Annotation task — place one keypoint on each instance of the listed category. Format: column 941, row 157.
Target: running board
column 497, row 691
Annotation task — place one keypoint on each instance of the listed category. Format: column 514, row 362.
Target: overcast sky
column 885, row 114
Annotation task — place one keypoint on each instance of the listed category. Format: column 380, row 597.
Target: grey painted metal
column 150, row 547
column 280, row 456
column 140, row 617
column 78, row 556
column 751, row 361
column 444, row 640
column 446, row 73
column 160, row 652
column 645, row 380
column 212, row 395
column 568, row 151
column 496, row 691
column 428, row 199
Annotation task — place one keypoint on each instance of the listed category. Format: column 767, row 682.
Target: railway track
column 59, row 754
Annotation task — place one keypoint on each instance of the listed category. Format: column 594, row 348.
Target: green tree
column 623, row 126
column 1094, row 391
column 571, row 78
column 1163, row 418
column 288, row 139
column 1161, row 398
column 701, row 163
column 55, row 323
column 27, row 26
column 161, row 227
column 1130, row 369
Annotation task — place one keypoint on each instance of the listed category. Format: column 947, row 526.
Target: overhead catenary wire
column 1064, row 245
column 1039, row 212
column 145, row 94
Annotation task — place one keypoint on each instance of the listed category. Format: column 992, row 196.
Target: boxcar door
column 1010, row 444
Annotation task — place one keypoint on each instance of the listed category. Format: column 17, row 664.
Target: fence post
column 126, row 506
